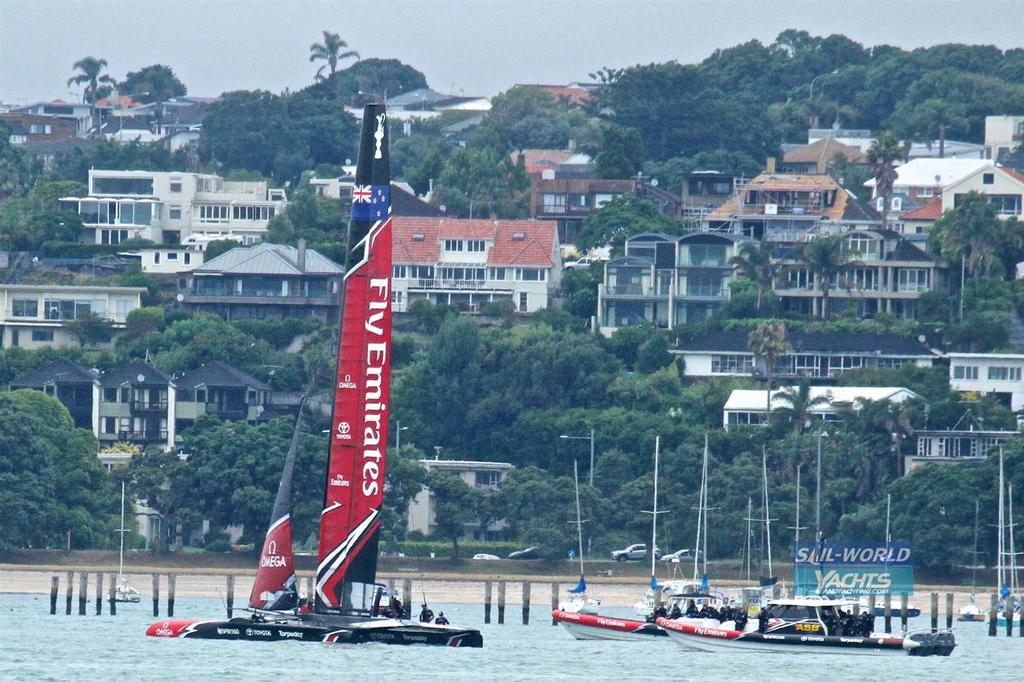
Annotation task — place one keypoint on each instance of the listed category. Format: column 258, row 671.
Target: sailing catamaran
column 346, row 604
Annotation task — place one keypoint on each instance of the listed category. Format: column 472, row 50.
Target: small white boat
column 970, row 613
column 124, row 592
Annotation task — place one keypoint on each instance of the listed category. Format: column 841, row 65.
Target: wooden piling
column 935, row 611
column 487, row 602
column 903, row 611
column 949, row 610
column 407, row 597
column 993, row 615
column 54, row 588
column 888, row 613
column 99, row 594
column 230, row 595
column 1008, row 614
column 83, row 592
column 501, row 602
column 554, row 602
column 112, row 595
column 69, row 592
column 526, row 602
column 156, row 595
column 171, row 580
column 871, row 609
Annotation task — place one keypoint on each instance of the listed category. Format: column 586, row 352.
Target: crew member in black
column 440, row 620
column 762, row 620
column 426, row 615
column 675, row 612
column 691, row 609
column 660, row 612
column 396, row 607
column 741, row 620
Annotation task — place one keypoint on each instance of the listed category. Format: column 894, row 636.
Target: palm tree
column 90, row 68
column 882, row 154
column 767, row 341
column 798, row 405
column 330, row 51
column 824, row 258
column 754, row 261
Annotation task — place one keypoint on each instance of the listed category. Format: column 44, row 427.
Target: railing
column 631, row 290
column 142, row 435
column 458, row 284
column 141, row 405
column 226, row 412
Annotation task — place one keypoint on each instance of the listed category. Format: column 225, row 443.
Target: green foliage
column 430, row 317
column 369, row 80
column 331, row 50
column 75, row 164
column 73, row 249
column 91, row 329
column 539, row 509
column 622, row 217
column 26, row 222
column 309, row 217
column 974, row 231
column 220, row 246
column 484, row 183
column 529, row 118
column 143, row 321
column 825, row 258
column 155, row 83
column 51, row 481
column 455, row 505
column 418, row 159
column 621, row 154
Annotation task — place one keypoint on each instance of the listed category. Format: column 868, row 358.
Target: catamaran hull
column 591, row 626
column 384, row 631
column 698, row 637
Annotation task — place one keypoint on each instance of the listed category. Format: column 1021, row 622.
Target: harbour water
column 35, row 646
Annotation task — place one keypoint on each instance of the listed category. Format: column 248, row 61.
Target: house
column 968, row 442
column 168, row 260
column 924, row 179
column 136, row 404
column 886, row 274
column 567, row 201
column 851, row 137
column 750, row 406
column 789, row 208
column 863, row 139
column 40, row 127
column 536, row 161
column 918, row 220
column 1002, row 187
column 817, row 356
column 70, row 383
column 167, row 207
column 575, row 93
column 470, row 263
column 424, row 104
column 266, row 281
column 821, row 157
column 80, row 113
column 995, row 374
column 221, row 390
column 706, row 190
column 37, row 316
column 484, row 476
column 404, row 201
column 1003, row 134
column 666, row 280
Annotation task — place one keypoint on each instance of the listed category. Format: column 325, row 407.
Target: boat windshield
column 792, row 612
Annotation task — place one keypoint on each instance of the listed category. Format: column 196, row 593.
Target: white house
column 35, row 316
column 750, row 406
column 1003, row 134
column 924, row 179
column 1003, row 187
column 470, row 263
column 167, row 207
column 169, row 260
column 485, row 476
column 998, row 374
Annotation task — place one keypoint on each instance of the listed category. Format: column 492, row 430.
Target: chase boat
column 802, row 625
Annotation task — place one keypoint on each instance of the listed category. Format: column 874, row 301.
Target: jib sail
column 350, row 519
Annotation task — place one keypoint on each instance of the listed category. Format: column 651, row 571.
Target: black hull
column 320, row 629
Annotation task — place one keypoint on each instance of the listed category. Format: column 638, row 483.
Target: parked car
column 634, row 553
column 581, row 264
column 484, row 557
column 678, row 555
column 528, row 553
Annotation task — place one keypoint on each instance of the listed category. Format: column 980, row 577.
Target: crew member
column 691, row 609
column 440, row 620
column 426, row 615
column 675, row 612
column 762, row 619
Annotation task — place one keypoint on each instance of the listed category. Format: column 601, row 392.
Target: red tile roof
column 932, row 211
column 536, row 161
column 1013, row 172
column 417, row 240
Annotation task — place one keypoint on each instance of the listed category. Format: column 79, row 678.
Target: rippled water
column 37, row 646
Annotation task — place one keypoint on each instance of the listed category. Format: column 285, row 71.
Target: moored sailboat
column 346, row 604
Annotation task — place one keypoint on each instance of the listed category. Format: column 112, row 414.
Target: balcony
column 461, row 284
column 793, row 209
column 160, row 434
column 149, row 405
column 251, row 298
column 634, row 290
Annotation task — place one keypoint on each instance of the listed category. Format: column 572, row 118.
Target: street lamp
column 398, row 435
column 811, row 96
column 817, row 487
column 591, row 439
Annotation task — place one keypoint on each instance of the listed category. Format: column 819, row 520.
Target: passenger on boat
column 660, row 611
column 691, row 609
column 440, row 620
column 426, row 615
column 741, row 620
column 725, row 614
column 865, row 624
column 762, row 619
column 675, row 612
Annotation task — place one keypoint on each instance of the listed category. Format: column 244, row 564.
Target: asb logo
column 344, row 431
column 347, row 382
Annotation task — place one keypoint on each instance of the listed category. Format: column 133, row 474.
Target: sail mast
column 700, row 508
column 750, row 511
column 579, row 522
column 1000, row 523
column 1013, row 554
column 122, row 530
column 654, row 514
column 767, row 515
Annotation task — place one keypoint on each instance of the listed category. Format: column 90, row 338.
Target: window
column 176, row 187
column 704, row 284
column 25, row 307
column 188, row 258
column 1004, row 373
column 396, row 298
column 1005, row 204
column 213, row 213
column 912, row 279
column 171, row 255
column 554, row 203
column 732, row 364
column 862, row 279
column 398, row 272
column 707, row 255
column 968, row 372
column 174, row 213
column 252, row 213
column 46, row 335
column 421, row 272
column 134, row 186
column 40, row 129
column 925, row 192
column 110, row 395
column 497, row 274
column 156, row 257
column 897, row 204
column 601, row 199
column 988, row 178
column 862, row 245
column 453, row 245
column 109, row 425
column 487, row 479
column 475, row 245
column 530, row 274
column 578, row 202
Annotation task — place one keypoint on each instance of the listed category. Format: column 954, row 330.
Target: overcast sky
column 468, row 46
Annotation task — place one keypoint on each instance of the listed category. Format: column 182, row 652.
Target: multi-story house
column 821, row 157
column 820, row 357
column 484, row 476
column 886, row 274
column 1003, row 134
column 220, row 390
column 166, row 207
column 470, row 263
column 996, row 374
column 41, row 127
column 750, row 406
column 666, row 280
column 266, row 281
column 790, row 208
column 136, row 404
column 968, row 442
column 37, row 316
column 80, row 113
column 706, row 190
column 923, row 180
column 68, row 382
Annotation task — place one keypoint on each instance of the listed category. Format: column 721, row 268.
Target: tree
column 620, row 218
column 419, row 159
column 621, row 154
column 220, row 246
column 91, row 329
column 480, row 183
column 405, row 479
column 368, row 80
column 539, row 508
column 825, row 258
column 973, row 231
column 156, row 83
column 931, row 119
column 767, row 341
column 456, row 504
column 797, row 405
column 883, row 154
column 27, row 222
column 331, row 50
column 754, row 261
column 526, row 118
column 92, row 75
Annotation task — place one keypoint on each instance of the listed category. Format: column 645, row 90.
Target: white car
column 678, row 555
column 484, row 557
column 581, row 264
column 636, row 552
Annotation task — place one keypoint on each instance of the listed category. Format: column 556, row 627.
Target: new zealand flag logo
column 370, row 202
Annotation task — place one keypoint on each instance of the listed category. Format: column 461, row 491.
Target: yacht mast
column 701, row 502
column 767, row 516
column 974, row 554
column 1013, row 554
column 1000, row 523
column 122, row 530
column 749, row 520
column 579, row 522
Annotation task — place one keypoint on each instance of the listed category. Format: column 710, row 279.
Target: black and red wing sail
column 354, row 490
column 275, row 588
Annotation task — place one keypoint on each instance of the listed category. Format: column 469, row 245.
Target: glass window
column 707, row 255
column 704, row 284
column 968, row 372
column 498, row 274
column 25, row 307
column 732, row 364
column 1004, row 373
column 453, row 245
column 171, row 255
column 475, row 245
column 42, row 335
column 398, row 272
column 578, row 201
column 176, row 187
column 530, row 274
column 554, row 203
column 174, row 213
column 136, row 186
column 988, row 178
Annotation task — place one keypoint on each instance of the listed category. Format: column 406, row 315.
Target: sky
column 473, row 47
